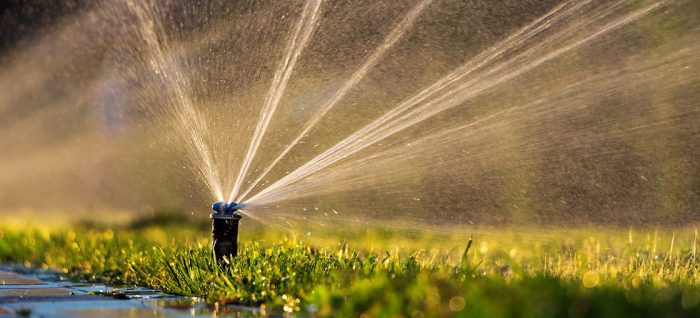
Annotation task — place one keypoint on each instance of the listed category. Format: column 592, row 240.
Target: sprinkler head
column 224, row 229
column 225, row 207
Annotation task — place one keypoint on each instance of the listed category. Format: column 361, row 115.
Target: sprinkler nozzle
column 224, row 229
column 225, row 207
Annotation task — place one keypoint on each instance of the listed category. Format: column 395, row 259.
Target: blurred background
column 606, row 133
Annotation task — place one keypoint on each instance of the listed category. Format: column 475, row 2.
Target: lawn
column 471, row 272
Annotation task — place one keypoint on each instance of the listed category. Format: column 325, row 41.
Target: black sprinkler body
column 224, row 229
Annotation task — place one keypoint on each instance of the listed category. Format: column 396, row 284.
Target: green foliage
column 569, row 274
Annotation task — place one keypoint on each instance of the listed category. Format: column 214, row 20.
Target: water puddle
column 30, row 292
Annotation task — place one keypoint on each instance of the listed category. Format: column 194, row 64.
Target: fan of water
column 325, row 114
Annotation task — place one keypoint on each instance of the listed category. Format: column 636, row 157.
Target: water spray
column 224, row 229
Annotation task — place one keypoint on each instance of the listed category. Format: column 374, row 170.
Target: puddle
column 118, row 312
column 41, row 293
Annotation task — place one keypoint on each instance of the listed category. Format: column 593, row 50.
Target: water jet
column 224, row 229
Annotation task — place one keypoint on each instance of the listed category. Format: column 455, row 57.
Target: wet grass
column 543, row 273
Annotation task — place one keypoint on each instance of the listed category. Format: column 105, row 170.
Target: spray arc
column 224, row 229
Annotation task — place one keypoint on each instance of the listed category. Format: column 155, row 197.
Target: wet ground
column 27, row 292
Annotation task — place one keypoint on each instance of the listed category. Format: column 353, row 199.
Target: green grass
column 538, row 273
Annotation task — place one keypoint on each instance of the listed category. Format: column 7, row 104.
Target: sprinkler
column 224, row 229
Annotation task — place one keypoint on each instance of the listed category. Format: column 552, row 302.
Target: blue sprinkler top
column 225, row 207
